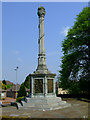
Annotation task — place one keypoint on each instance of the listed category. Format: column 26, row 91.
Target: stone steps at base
column 44, row 103
column 44, row 100
column 46, row 107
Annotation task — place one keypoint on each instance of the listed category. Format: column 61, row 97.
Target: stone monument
column 42, row 81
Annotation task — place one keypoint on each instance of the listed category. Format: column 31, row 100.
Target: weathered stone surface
column 42, row 81
column 44, row 103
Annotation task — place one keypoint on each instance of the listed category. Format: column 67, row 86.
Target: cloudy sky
column 20, row 35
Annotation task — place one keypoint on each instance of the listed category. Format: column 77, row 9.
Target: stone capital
column 41, row 11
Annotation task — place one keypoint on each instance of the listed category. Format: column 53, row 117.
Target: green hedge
column 19, row 99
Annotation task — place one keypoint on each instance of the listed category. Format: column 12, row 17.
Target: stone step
column 44, row 100
column 44, row 103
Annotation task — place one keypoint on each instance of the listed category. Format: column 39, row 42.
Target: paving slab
column 78, row 109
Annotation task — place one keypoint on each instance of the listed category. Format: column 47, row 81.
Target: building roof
column 13, row 88
column 8, row 82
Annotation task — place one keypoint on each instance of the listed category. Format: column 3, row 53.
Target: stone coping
column 42, row 75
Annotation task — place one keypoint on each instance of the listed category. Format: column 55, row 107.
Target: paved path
column 78, row 109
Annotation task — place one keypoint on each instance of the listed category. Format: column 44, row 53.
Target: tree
column 27, row 82
column 4, row 82
column 75, row 71
column 4, row 86
column 22, row 91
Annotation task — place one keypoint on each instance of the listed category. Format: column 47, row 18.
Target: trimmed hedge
column 19, row 99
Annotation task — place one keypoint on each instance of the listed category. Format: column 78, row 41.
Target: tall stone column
column 41, row 32
column 41, row 73
column 41, row 55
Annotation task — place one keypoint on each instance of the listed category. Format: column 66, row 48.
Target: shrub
column 19, row 99
column 22, row 91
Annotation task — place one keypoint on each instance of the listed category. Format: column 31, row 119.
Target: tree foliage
column 4, row 82
column 22, row 91
column 4, row 86
column 75, row 71
column 27, row 82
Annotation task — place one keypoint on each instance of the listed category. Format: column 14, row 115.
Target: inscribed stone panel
column 38, row 85
column 50, row 85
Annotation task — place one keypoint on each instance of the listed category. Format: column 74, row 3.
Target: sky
column 20, row 35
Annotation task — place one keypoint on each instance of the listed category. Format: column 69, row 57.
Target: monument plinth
column 42, row 81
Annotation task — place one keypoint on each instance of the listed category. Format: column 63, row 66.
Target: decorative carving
column 41, row 38
column 41, row 11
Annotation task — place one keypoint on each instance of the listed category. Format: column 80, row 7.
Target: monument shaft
column 41, row 55
column 41, row 36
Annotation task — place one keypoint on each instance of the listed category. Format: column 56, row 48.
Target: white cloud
column 65, row 30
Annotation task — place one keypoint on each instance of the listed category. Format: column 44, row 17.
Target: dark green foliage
column 4, row 86
column 4, row 82
column 22, row 91
column 75, row 71
column 19, row 99
column 9, row 86
column 27, row 82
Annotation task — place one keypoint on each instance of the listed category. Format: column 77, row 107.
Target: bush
column 19, row 99
column 27, row 82
column 22, row 91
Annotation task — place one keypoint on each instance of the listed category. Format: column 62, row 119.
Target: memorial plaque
column 50, row 85
column 38, row 85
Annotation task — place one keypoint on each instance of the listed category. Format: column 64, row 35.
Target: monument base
column 44, row 103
